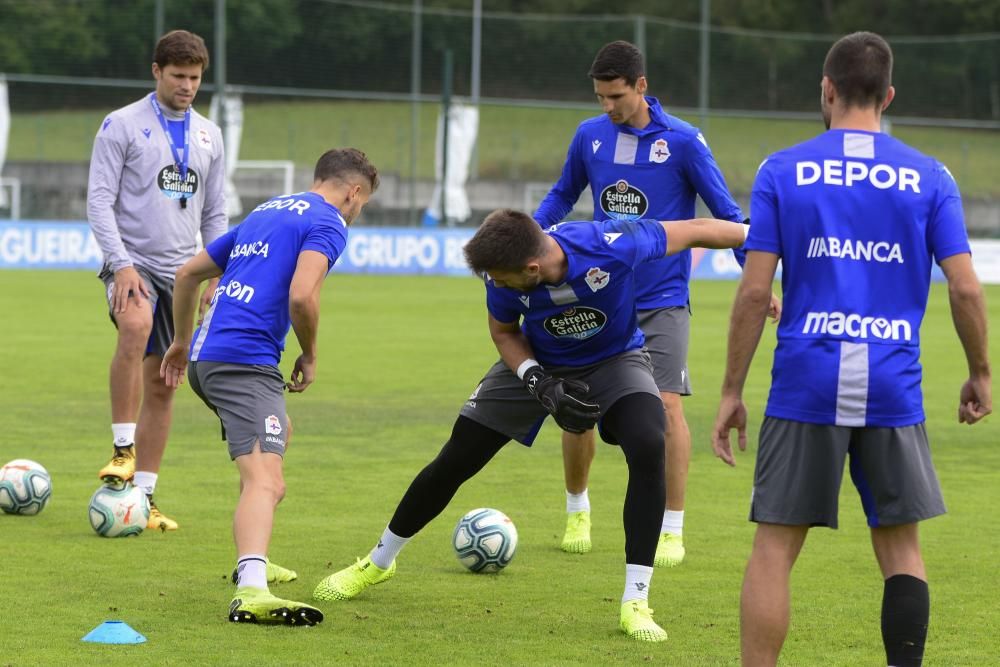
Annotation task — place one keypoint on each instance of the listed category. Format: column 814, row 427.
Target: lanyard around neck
column 180, row 159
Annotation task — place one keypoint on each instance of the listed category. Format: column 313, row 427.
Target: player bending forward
column 272, row 268
column 585, row 371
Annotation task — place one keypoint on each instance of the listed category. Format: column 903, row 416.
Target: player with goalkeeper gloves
column 562, row 315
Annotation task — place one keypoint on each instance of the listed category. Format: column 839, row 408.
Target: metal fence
column 382, row 63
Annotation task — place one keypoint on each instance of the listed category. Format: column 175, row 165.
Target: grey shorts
column 502, row 403
column 667, row 331
column 249, row 401
column 161, row 300
column 800, row 467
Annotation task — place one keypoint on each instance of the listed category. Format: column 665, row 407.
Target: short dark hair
column 180, row 47
column 506, row 241
column 618, row 60
column 339, row 163
column 860, row 67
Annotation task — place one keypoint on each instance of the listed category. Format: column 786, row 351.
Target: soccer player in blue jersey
column 272, row 267
column 641, row 162
column 562, row 315
column 856, row 218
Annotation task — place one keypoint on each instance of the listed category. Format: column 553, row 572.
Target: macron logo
column 611, row 237
column 856, row 326
column 595, row 144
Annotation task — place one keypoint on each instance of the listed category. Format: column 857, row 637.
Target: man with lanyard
column 641, row 162
column 156, row 180
column 857, row 218
column 562, row 316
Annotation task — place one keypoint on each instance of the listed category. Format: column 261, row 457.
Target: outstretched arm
column 968, row 311
column 703, row 233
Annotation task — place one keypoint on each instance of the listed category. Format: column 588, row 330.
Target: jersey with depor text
column 591, row 315
column 248, row 320
column 857, row 218
column 653, row 173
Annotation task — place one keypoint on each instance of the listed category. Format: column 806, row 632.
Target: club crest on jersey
column 659, row 151
column 597, row 279
column 621, row 201
column 204, row 139
column 272, row 425
column 580, row 323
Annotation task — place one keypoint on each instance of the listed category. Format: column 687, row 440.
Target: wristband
column 525, row 366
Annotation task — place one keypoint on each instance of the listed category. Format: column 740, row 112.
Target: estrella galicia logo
column 580, row 323
column 171, row 185
column 622, row 201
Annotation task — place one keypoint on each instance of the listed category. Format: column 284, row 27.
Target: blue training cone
column 114, row 632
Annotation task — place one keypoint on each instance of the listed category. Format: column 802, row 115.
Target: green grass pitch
column 398, row 356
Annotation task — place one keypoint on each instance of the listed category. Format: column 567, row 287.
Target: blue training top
column 248, row 319
column 857, row 218
column 653, row 173
column 591, row 315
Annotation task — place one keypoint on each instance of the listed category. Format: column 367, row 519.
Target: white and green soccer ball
column 25, row 487
column 485, row 540
column 119, row 511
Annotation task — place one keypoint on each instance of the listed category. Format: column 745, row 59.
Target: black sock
column 905, row 611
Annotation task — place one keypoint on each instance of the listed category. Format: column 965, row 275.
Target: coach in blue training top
column 641, row 162
column 856, row 218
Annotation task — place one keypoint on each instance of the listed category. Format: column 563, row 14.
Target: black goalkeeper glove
column 562, row 399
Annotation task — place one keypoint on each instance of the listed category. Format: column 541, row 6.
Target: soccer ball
column 25, row 487
column 485, row 540
column 119, row 511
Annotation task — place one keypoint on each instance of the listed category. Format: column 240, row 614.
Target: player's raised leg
column 263, row 487
column 470, row 447
column 764, row 601
column 578, row 453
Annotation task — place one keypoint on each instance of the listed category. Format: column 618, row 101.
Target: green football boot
column 350, row 581
column 577, row 537
column 669, row 551
column 257, row 605
column 637, row 622
column 275, row 574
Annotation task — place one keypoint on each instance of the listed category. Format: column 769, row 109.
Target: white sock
column 636, row 582
column 123, row 434
column 251, row 570
column 145, row 481
column 673, row 522
column 388, row 547
column 577, row 502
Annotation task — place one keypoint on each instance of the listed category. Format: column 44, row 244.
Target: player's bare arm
column 303, row 309
column 703, row 233
column 750, row 308
column 511, row 342
column 968, row 311
column 195, row 271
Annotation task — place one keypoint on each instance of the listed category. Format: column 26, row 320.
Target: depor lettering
column 299, row 206
column 848, row 172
